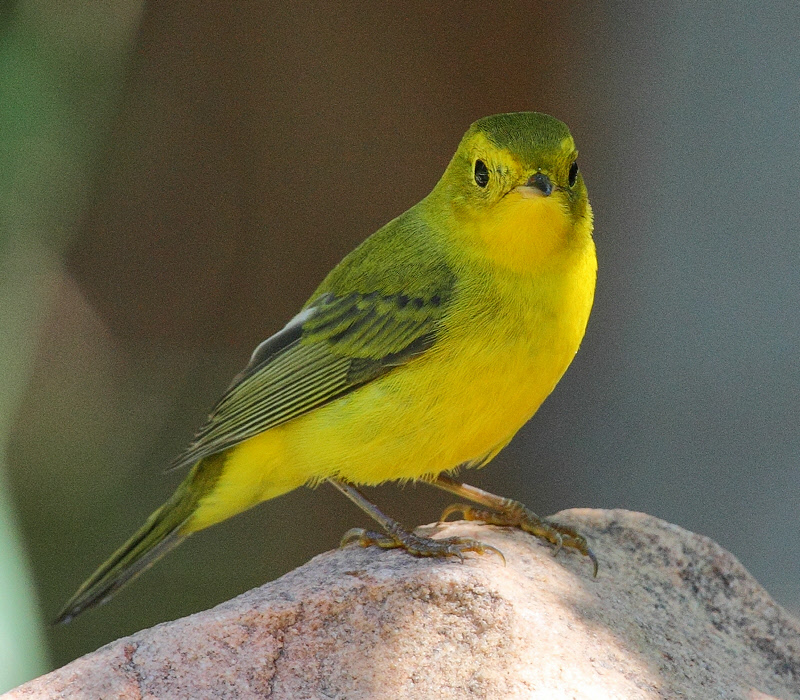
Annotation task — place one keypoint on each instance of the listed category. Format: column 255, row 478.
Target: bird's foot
column 417, row 545
column 514, row 514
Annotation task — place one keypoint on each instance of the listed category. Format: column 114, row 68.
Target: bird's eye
column 573, row 174
column 481, row 174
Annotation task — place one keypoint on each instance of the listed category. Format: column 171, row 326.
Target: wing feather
column 335, row 345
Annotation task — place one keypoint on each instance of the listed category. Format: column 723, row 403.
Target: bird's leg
column 504, row 511
column 394, row 536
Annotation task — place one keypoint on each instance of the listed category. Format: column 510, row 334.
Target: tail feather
column 163, row 530
column 155, row 538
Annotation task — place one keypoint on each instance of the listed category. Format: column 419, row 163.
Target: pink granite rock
column 671, row 615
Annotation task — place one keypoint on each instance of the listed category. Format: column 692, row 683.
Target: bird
column 421, row 353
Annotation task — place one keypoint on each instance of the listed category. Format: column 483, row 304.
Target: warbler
column 425, row 350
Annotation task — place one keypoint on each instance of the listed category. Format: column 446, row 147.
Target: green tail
column 162, row 531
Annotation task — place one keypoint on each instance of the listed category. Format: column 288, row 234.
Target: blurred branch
column 60, row 75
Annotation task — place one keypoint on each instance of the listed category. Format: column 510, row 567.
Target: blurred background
column 178, row 177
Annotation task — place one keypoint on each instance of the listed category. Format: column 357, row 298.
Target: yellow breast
column 510, row 335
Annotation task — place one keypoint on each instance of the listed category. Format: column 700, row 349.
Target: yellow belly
column 496, row 361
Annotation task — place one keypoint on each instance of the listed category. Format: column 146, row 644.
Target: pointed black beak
column 541, row 182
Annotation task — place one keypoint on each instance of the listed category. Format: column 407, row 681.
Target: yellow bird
column 426, row 349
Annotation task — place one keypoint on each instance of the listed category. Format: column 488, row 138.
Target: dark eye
column 573, row 174
column 481, row 174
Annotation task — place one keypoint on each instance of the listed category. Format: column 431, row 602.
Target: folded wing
column 335, row 345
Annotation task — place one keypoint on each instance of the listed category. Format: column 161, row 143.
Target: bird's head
column 515, row 188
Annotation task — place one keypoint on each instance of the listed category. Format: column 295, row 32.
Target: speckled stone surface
column 671, row 615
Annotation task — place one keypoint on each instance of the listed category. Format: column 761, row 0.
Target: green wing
column 335, row 345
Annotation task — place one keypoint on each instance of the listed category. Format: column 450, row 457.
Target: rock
column 671, row 615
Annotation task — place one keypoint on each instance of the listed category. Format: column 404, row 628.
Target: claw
column 513, row 514
column 496, row 551
column 589, row 553
column 354, row 534
column 559, row 543
column 466, row 510
column 419, row 546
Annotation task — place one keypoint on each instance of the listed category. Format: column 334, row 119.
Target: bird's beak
column 538, row 185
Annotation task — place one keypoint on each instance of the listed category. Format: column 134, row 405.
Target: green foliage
column 60, row 74
column 22, row 653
